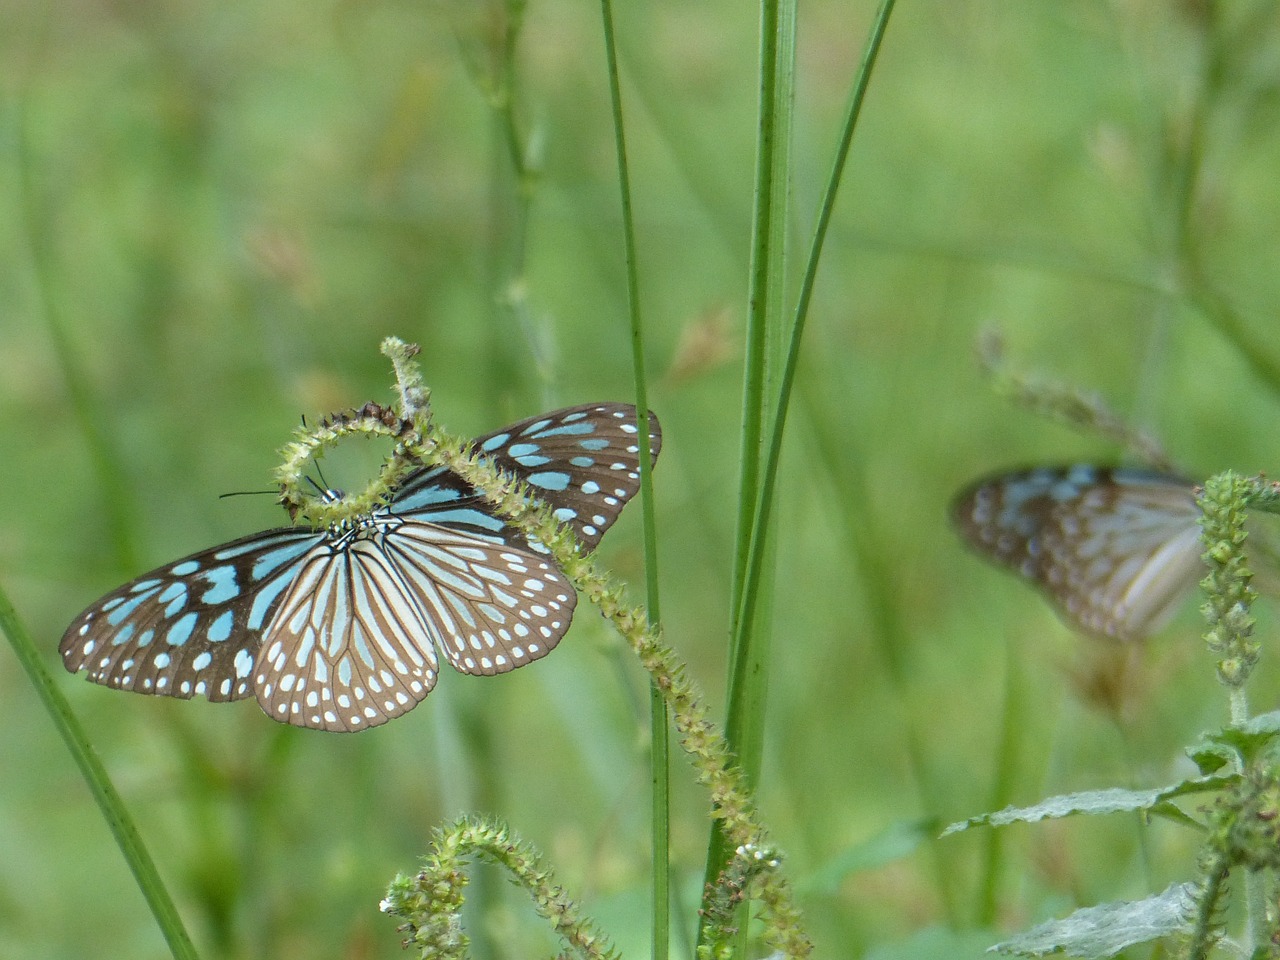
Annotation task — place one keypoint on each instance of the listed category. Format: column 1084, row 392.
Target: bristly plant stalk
column 430, row 903
column 659, row 749
column 1227, row 610
column 732, row 805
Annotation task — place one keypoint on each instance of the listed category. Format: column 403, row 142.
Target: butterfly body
column 1115, row 549
column 342, row 629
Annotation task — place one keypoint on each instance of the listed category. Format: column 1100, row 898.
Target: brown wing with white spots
column 191, row 627
column 491, row 607
column 355, row 641
column 350, row 647
column 1115, row 549
column 583, row 462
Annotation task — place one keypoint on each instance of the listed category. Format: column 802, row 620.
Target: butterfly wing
column 352, row 624
column 192, row 626
column 583, row 462
column 1114, row 549
column 354, row 643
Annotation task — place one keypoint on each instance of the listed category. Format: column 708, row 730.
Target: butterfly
column 343, row 629
column 1114, row 549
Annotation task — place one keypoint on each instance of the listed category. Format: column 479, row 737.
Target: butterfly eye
column 1115, row 550
column 342, row 629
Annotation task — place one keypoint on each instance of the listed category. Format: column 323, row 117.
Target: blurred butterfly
column 343, row 629
column 1114, row 549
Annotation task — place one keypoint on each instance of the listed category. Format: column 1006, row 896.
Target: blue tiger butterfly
column 343, row 629
column 1114, row 549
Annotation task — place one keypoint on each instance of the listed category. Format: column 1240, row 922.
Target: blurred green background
column 209, row 217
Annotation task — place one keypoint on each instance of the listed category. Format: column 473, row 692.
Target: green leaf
column 1235, row 744
column 1093, row 802
column 1105, row 930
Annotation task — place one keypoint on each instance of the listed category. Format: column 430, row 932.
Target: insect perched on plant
column 1115, row 550
column 341, row 628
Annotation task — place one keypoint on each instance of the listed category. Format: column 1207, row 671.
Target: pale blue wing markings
column 184, row 568
column 362, row 650
column 243, row 663
column 223, row 585
column 576, row 415
column 495, row 442
column 344, row 671
column 531, row 461
column 504, row 598
column 565, row 430
column 549, row 481
column 123, row 635
column 111, row 604
column 259, row 542
column 462, row 608
column 582, row 462
column 518, row 450
column 143, row 585
column 417, row 496
column 175, row 598
column 145, row 638
column 590, row 487
column 181, row 629
column 531, row 428
column 595, row 445
column 265, row 598
column 468, row 516
column 125, row 610
column 564, row 514
column 274, row 559
column 492, row 613
column 202, row 661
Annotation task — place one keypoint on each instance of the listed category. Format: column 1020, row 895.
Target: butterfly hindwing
column 1115, row 549
column 355, row 641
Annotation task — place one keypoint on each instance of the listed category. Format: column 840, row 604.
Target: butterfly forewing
column 583, row 462
column 1115, row 549
column 192, row 626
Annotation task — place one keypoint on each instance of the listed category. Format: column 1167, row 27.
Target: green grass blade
column 749, row 673
column 659, row 724
column 766, row 288
column 109, row 802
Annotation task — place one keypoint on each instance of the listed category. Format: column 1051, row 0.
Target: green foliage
column 1240, row 830
column 212, row 214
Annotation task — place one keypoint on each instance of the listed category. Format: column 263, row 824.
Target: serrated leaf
column 1103, row 931
column 1091, row 802
column 1240, row 742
